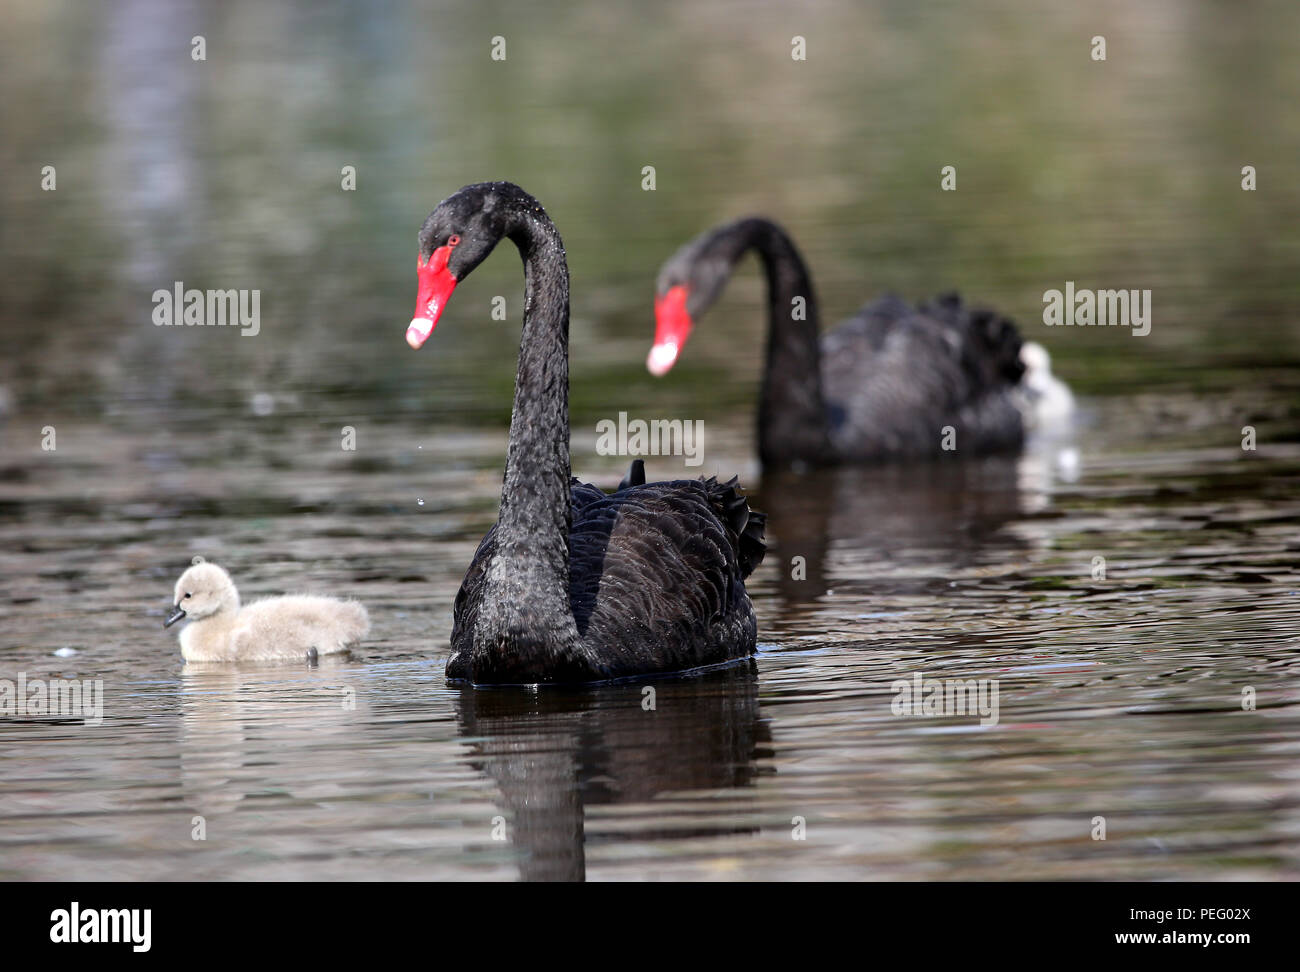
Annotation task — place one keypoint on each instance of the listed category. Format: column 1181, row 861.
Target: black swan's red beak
column 672, row 327
column 436, row 285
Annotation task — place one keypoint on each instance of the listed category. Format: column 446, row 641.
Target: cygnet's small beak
column 178, row 612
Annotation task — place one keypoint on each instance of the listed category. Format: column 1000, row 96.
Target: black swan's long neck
column 792, row 420
column 528, row 580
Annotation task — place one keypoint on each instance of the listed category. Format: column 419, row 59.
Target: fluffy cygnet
column 275, row 628
column 1050, row 402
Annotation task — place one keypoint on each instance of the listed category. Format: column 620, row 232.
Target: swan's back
column 656, row 579
column 895, row 375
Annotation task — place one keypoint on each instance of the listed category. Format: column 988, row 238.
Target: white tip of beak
column 418, row 331
column 662, row 358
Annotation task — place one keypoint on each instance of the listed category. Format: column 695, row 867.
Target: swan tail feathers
column 745, row 525
column 355, row 621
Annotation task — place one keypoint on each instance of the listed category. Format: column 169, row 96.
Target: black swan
column 885, row 384
column 571, row 584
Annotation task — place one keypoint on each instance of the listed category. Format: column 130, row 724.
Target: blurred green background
column 225, row 173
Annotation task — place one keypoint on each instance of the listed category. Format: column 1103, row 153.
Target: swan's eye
column 187, row 595
column 453, row 240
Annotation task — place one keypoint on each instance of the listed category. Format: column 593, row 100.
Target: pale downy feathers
column 276, row 628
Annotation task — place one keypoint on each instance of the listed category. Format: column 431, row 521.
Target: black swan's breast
column 656, row 578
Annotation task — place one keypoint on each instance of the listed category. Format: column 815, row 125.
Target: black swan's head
column 688, row 284
column 456, row 238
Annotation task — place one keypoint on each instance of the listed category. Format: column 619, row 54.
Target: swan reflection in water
column 557, row 752
column 239, row 721
column 902, row 530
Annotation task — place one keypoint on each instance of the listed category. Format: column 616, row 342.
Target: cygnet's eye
column 187, row 594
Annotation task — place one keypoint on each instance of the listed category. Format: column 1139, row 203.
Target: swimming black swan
column 885, row 384
column 571, row 584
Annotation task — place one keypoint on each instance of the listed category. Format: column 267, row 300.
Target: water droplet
column 419, row 502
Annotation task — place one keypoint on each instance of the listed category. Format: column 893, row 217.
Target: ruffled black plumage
column 656, row 584
column 895, row 376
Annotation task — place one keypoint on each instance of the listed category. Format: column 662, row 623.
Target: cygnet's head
column 1035, row 358
column 203, row 590
column 1049, row 400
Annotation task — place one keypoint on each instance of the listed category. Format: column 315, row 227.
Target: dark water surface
column 1120, row 689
